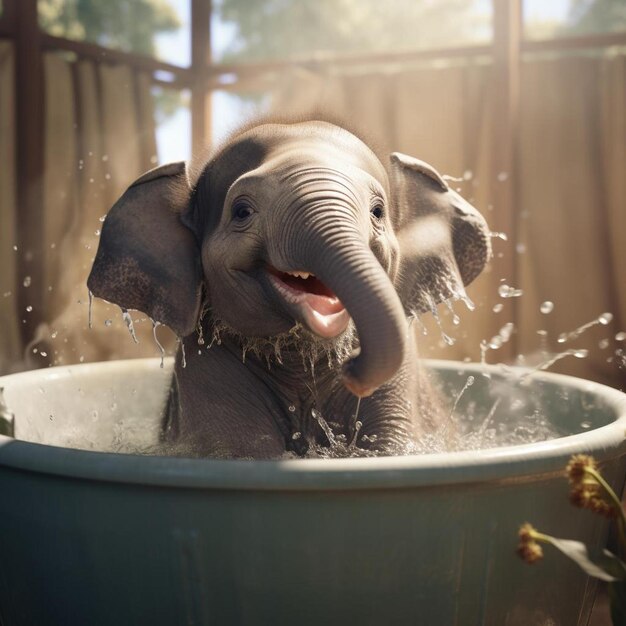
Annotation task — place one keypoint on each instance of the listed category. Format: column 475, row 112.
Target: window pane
column 559, row 18
column 156, row 28
column 230, row 110
column 173, row 124
column 288, row 29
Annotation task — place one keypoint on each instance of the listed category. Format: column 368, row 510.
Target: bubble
column 603, row 344
column 102, row 218
column 520, row 248
column 502, row 176
column 54, row 334
column 586, row 424
column 296, row 436
column 43, row 354
column 621, row 336
column 27, row 281
column 546, row 307
column 15, row 248
column 108, row 322
column 292, row 408
column 468, row 175
column 580, row 354
column 29, row 308
column 97, row 232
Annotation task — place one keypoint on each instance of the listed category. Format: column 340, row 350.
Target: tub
column 90, row 537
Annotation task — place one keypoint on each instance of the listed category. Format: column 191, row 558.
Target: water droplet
column 102, row 218
column 108, row 322
column 468, row 175
column 292, row 408
column 580, row 354
column 15, row 248
column 296, row 436
column 496, row 235
column 621, row 336
column 129, row 324
column 546, row 307
column 90, row 306
column 29, row 308
column 43, row 353
column 509, row 292
column 502, row 176
column 97, row 232
column 158, row 343
column 497, row 307
column 586, row 424
column 605, row 318
column 27, row 281
column 54, row 334
column 105, row 157
column 520, row 248
column 113, row 406
column 603, row 344
column 183, row 356
column 94, row 415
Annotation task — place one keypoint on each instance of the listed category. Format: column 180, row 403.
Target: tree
column 602, row 16
column 129, row 25
column 275, row 29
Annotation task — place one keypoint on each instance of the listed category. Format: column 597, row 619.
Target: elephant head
column 293, row 223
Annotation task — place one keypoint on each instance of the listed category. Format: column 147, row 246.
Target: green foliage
column 129, row 25
column 274, row 29
column 596, row 16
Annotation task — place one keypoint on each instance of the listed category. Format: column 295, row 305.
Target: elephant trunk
column 340, row 258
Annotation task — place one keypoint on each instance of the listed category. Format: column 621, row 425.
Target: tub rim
column 493, row 465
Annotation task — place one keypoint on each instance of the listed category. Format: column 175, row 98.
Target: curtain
column 99, row 137
column 570, row 234
column 10, row 347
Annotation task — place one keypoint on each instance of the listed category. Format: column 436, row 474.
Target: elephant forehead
column 297, row 164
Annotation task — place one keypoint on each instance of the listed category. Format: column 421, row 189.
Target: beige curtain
column 570, row 245
column 99, row 137
column 10, row 346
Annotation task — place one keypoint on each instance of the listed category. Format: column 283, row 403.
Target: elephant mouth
column 310, row 301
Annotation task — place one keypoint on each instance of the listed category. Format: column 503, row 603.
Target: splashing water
column 128, row 320
column 579, row 354
column 495, row 235
column 603, row 320
column 90, row 296
column 496, row 342
column 158, row 343
column 325, row 427
column 504, row 291
column 468, row 383
column 183, row 356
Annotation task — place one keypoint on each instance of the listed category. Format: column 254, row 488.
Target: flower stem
column 621, row 520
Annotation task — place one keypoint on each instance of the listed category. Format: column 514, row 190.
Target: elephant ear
column 147, row 259
column 444, row 241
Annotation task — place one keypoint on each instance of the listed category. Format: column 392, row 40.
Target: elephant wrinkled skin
column 298, row 258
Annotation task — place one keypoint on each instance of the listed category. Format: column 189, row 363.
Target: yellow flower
column 528, row 549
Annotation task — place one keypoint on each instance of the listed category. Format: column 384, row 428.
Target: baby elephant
column 289, row 264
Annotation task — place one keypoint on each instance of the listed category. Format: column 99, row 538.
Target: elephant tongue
column 321, row 309
column 325, row 316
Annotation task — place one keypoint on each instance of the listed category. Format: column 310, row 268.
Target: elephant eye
column 377, row 211
column 242, row 211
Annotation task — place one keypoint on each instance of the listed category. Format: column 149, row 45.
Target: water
column 158, row 343
column 602, row 320
column 128, row 320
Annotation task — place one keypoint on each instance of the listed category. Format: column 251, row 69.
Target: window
column 155, row 28
column 287, row 29
column 559, row 18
